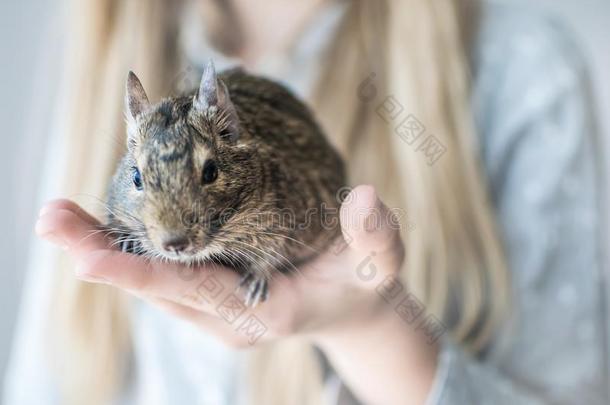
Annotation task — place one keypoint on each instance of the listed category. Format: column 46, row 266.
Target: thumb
column 369, row 226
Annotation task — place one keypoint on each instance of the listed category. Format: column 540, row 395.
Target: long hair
column 406, row 54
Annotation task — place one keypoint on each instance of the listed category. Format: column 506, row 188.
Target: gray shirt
column 533, row 111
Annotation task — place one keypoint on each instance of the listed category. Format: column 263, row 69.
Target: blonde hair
column 417, row 53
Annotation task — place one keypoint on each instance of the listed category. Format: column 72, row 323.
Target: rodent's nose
column 175, row 244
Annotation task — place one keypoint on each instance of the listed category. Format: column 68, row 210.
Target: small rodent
column 237, row 173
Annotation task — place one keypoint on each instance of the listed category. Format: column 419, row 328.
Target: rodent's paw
column 128, row 244
column 257, row 289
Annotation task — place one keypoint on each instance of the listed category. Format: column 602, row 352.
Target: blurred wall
column 29, row 38
column 27, row 32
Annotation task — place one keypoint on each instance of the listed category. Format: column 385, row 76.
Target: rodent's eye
column 137, row 178
column 210, row 172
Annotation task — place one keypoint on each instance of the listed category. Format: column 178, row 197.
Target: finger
column 64, row 204
column 184, row 312
column 238, row 333
column 370, row 227
column 196, row 287
column 203, row 288
column 70, row 230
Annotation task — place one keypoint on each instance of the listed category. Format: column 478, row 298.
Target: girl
column 473, row 119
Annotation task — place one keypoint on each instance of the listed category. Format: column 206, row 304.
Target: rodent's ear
column 213, row 96
column 208, row 93
column 136, row 100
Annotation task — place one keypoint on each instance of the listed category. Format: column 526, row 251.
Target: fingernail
column 372, row 221
column 91, row 278
column 53, row 238
column 43, row 211
column 82, row 273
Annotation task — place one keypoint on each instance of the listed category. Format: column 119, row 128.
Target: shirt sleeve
column 538, row 149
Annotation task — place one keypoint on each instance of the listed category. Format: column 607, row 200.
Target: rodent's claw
column 257, row 292
column 128, row 245
column 125, row 248
column 257, row 289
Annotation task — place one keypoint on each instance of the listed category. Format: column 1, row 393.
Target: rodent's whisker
column 273, row 257
column 293, row 240
column 254, row 258
column 91, row 234
column 230, row 255
column 115, row 211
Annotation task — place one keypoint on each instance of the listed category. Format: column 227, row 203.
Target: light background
column 29, row 37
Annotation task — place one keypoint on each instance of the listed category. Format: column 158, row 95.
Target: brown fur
column 277, row 185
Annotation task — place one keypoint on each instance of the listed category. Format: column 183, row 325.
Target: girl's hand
column 332, row 295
